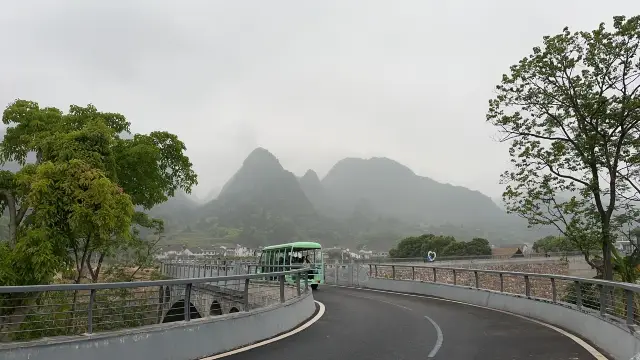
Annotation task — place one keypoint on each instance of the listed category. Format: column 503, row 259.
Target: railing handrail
column 627, row 286
column 135, row 284
column 492, row 257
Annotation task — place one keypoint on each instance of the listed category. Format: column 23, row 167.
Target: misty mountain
column 211, row 195
column 315, row 192
column 373, row 202
column 261, row 202
column 359, row 201
column 176, row 211
column 395, row 190
column 310, row 184
column 262, row 182
column 499, row 202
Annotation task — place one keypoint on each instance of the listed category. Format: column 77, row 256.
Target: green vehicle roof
column 299, row 244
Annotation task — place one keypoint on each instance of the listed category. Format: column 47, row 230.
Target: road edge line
column 593, row 351
column 298, row 329
column 439, row 341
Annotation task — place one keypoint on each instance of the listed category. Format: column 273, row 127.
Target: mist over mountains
column 369, row 203
column 360, row 202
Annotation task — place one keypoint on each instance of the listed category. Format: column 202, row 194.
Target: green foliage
column 114, row 309
column 91, row 205
column 150, row 168
column 570, row 112
column 81, row 191
column 477, row 246
column 550, row 244
column 626, row 267
column 419, row 246
column 77, row 200
column 590, row 296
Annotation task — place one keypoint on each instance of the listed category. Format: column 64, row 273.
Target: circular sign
column 431, row 255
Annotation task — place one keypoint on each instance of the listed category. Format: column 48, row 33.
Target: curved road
column 371, row 325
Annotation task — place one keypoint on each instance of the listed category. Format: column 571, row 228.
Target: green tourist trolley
column 294, row 255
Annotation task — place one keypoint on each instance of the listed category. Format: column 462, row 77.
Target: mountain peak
column 262, row 183
column 389, row 165
column 261, row 156
column 310, row 176
column 380, row 167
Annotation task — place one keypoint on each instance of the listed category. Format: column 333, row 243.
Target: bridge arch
column 215, row 309
column 176, row 312
column 234, row 310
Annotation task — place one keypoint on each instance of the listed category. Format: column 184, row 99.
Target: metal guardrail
column 197, row 269
column 221, row 261
column 479, row 257
column 178, row 269
column 616, row 301
column 33, row 312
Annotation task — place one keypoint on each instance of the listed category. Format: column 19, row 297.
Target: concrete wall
column 617, row 340
column 172, row 341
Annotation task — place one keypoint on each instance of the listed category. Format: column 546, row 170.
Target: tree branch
column 81, row 263
column 13, row 225
column 95, row 273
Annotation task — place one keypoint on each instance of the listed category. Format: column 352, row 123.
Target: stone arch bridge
column 215, row 298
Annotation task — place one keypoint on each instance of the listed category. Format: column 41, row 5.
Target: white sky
column 311, row 81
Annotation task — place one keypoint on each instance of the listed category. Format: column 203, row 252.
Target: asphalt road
column 369, row 325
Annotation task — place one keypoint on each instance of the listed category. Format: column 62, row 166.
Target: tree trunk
column 95, row 273
column 607, row 266
column 74, row 305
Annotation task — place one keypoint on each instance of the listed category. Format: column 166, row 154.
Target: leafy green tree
column 554, row 244
column 570, row 112
column 454, row 249
column 79, row 196
column 478, row 246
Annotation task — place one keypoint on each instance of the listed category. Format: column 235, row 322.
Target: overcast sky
column 311, row 81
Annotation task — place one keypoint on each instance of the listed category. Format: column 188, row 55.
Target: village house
column 510, row 251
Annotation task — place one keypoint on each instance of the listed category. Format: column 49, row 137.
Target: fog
column 311, row 81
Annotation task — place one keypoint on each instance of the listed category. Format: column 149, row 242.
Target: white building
column 625, row 246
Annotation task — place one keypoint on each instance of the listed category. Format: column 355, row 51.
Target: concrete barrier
column 613, row 338
column 172, row 341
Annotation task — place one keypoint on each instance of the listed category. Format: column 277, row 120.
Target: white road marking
column 595, row 353
column 440, row 338
column 438, row 344
column 277, row 338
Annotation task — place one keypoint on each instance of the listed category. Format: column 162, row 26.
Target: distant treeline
column 419, row 246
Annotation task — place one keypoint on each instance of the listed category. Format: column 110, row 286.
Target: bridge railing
column 615, row 301
column 479, row 258
column 33, row 312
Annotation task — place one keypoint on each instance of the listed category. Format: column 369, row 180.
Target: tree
column 570, row 112
column 478, row 246
column 419, row 246
column 454, row 249
column 553, row 244
column 79, row 196
column 147, row 168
